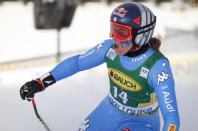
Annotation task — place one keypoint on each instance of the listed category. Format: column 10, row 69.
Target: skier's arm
column 90, row 59
column 161, row 79
column 66, row 68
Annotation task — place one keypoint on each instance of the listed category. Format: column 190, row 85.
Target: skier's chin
column 120, row 51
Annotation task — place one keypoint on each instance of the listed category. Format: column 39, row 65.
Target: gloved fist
column 30, row 88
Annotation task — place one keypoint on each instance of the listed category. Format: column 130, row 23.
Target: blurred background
column 37, row 34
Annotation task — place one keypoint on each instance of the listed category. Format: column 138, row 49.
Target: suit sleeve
column 161, row 79
column 90, row 59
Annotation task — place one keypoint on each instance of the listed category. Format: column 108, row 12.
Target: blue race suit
column 106, row 117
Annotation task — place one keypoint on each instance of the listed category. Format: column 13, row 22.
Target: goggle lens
column 120, row 32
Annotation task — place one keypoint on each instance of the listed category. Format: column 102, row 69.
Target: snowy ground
column 64, row 105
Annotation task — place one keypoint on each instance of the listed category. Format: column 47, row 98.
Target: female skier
column 140, row 76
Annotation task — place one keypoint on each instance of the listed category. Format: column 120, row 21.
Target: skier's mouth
column 115, row 46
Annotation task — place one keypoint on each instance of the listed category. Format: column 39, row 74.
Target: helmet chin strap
column 136, row 50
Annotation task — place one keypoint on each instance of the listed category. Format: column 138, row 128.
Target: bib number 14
column 122, row 95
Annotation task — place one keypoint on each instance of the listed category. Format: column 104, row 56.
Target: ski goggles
column 120, row 32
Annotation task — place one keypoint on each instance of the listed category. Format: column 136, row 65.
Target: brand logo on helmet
column 172, row 127
column 137, row 21
column 123, row 80
column 120, row 12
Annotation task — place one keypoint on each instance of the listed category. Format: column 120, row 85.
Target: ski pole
column 38, row 116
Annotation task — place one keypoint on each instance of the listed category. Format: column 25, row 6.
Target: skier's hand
column 30, row 88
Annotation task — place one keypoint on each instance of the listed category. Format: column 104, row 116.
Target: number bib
column 129, row 90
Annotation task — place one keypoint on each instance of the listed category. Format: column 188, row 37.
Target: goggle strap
column 147, row 26
column 145, row 31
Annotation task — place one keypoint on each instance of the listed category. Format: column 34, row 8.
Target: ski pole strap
column 38, row 116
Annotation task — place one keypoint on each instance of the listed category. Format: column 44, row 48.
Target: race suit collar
column 138, row 52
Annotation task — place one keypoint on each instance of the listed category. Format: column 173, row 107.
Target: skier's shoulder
column 103, row 46
column 98, row 51
column 158, row 55
column 106, row 44
column 156, row 60
column 162, row 63
column 162, row 59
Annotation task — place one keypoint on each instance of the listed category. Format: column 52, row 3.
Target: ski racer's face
column 120, row 47
column 122, row 37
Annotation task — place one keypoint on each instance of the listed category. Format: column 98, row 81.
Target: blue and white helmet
column 139, row 17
